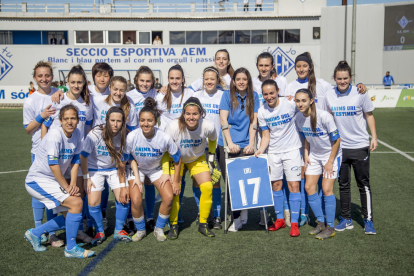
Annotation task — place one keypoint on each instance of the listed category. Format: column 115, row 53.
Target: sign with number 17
column 249, row 182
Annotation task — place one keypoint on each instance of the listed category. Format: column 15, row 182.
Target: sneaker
column 263, row 221
column 139, row 235
column 286, row 214
column 99, row 238
column 369, row 227
column 328, row 232
column 122, row 236
column 173, row 233
column 198, row 220
column 105, row 224
column 319, row 228
column 78, row 252
column 130, row 228
column 204, row 230
column 236, row 225
column 344, row 224
column 217, row 223
column 244, row 216
column 43, row 238
column 55, row 241
column 35, row 241
column 159, row 234
column 303, row 220
column 91, row 232
column 279, row 223
column 150, row 225
column 83, row 237
column 294, row 229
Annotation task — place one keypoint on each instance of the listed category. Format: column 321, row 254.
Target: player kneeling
column 45, row 182
column 146, row 147
column 189, row 133
column 322, row 155
column 103, row 157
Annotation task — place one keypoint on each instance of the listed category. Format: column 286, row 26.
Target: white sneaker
column 139, row 235
column 244, row 216
column 263, row 221
column 236, row 226
column 159, row 234
column 105, row 224
column 287, row 217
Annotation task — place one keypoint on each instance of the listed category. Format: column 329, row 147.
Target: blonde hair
column 43, row 64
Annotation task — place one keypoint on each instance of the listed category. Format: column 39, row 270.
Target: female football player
column 322, row 156
column 146, row 147
column 45, row 182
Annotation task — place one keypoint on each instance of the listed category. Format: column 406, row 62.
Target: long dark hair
column 230, row 69
column 168, row 96
column 150, row 105
column 108, row 135
column 249, row 95
column 312, row 107
column 192, row 101
column 265, row 55
column 311, row 74
column 125, row 105
column 78, row 70
column 144, row 70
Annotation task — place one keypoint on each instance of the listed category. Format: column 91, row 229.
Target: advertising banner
column 13, row 94
column 406, row 98
column 384, row 97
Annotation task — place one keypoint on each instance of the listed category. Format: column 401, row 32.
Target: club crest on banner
column 283, row 63
column 5, row 67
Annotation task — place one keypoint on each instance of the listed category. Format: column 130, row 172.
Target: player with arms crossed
column 322, row 156
column 45, row 182
column 189, row 133
column 277, row 121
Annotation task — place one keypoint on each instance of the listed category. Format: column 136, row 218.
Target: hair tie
column 304, row 57
column 192, row 104
column 211, row 69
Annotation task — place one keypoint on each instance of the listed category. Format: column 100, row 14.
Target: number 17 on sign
column 256, row 182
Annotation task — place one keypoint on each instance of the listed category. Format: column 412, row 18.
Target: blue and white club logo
column 283, row 63
column 5, row 67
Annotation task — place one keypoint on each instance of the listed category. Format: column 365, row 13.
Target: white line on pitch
column 14, row 171
column 396, row 150
column 390, row 152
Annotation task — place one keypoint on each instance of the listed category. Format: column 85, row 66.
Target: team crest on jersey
column 5, row 67
column 283, row 63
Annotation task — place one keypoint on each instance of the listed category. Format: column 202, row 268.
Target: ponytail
column 306, row 57
column 150, row 105
column 342, row 66
column 78, row 70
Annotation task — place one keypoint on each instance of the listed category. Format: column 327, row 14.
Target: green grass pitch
column 251, row 251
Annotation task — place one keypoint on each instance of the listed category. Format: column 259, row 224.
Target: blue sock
column 315, row 204
column 72, row 226
column 139, row 223
column 52, row 225
column 121, row 215
column 320, row 192
column 85, row 206
column 50, row 215
column 96, row 215
column 38, row 210
column 104, row 197
column 149, row 200
column 278, row 203
column 330, row 203
column 88, row 216
column 304, row 204
column 285, row 194
column 197, row 194
column 162, row 220
column 294, row 202
column 129, row 217
column 216, row 202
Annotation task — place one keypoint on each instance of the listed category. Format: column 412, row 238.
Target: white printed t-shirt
column 257, row 87
column 97, row 95
column 137, row 98
column 198, row 84
column 321, row 88
column 211, row 104
column 100, row 108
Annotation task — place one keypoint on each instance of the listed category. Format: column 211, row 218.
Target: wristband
column 39, row 119
column 122, row 185
column 86, row 176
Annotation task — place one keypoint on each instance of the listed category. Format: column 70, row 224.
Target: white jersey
column 137, row 98
column 192, row 144
column 94, row 148
column 148, row 152
column 199, row 83
column 282, row 84
column 320, row 141
column 257, row 87
column 100, row 108
column 211, row 104
column 55, row 149
column 176, row 106
column 32, row 107
column 85, row 113
column 97, row 95
column 280, row 121
column 348, row 110
column 321, row 88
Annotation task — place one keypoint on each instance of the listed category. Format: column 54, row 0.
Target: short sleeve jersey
column 211, row 104
column 148, row 152
column 238, row 120
column 257, row 87
column 192, row 144
column 96, row 95
column 321, row 88
column 348, row 110
column 197, row 85
column 280, row 121
column 177, row 104
column 85, row 113
column 100, row 108
column 326, row 132
column 137, row 98
column 55, row 149
column 32, row 107
column 94, row 148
